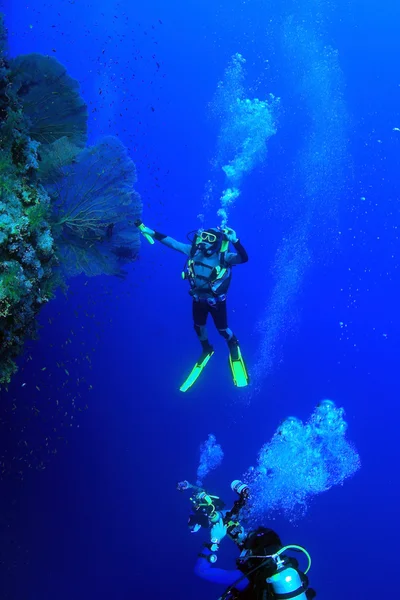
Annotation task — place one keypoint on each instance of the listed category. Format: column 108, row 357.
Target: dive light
column 139, row 224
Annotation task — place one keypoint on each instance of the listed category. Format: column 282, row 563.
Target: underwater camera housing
column 208, row 509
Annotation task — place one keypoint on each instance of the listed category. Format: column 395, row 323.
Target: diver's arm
column 171, row 243
column 239, row 257
column 151, row 234
column 205, row 570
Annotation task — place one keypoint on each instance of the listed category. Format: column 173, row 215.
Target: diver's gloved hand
column 231, row 235
column 218, row 532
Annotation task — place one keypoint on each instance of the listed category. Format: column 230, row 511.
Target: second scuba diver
column 208, row 270
column 264, row 570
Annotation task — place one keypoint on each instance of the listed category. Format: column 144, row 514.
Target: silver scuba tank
column 286, row 581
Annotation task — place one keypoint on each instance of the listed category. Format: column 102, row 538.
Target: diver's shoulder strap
column 193, row 248
column 222, row 261
column 223, row 252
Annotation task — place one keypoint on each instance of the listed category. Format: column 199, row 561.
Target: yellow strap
column 221, row 273
column 224, row 246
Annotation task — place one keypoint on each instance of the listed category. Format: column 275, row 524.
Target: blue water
column 94, row 431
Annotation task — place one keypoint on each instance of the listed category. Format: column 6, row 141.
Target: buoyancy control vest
column 208, row 275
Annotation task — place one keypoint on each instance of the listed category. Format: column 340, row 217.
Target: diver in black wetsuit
column 209, row 270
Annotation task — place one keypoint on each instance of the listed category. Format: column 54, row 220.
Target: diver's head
column 262, row 541
column 258, row 550
column 209, row 240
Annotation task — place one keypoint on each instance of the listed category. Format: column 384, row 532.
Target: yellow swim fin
column 196, row 371
column 239, row 371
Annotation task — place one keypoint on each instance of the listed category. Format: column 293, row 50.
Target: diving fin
column 197, row 369
column 239, row 372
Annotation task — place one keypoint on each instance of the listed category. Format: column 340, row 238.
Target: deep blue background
column 102, row 518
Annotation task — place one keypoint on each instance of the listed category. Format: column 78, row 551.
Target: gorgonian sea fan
column 95, row 206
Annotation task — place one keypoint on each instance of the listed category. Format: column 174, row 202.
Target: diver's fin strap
column 239, row 371
column 196, row 371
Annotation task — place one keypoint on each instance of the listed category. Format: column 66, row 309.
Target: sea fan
column 50, row 99
column 95, row 206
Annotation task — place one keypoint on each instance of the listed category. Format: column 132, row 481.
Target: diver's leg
column 220, row 317
column 236, row 362
column 200, row 314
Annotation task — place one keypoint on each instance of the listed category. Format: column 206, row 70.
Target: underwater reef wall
column 65, row 208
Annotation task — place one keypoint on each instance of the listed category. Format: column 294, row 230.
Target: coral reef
column 64, row 209
column 27, row 253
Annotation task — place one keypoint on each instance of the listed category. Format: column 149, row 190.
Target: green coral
column 11, row 286
column 25, row 209
column 37, row 214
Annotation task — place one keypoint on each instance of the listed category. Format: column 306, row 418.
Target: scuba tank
column 287, row 583
column 276, row 576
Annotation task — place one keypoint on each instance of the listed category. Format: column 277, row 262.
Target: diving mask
column 208, row 236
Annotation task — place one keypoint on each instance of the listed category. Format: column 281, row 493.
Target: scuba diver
column 208, row 270
column 264, row 571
